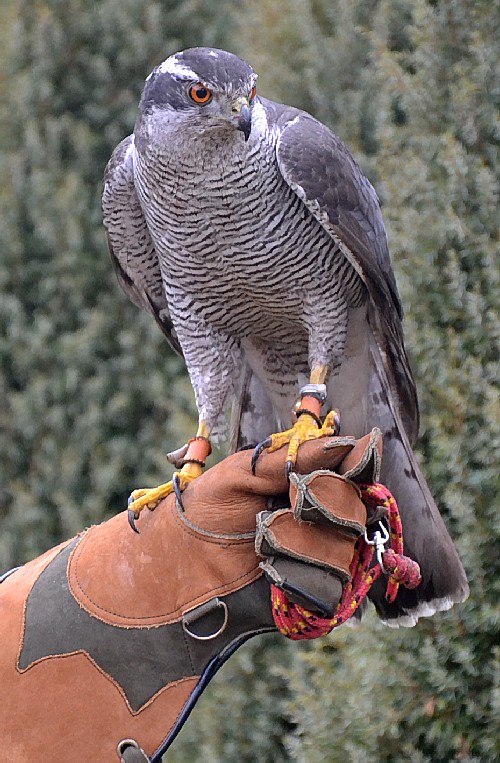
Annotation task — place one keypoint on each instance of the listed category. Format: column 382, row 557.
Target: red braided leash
column 296, row 623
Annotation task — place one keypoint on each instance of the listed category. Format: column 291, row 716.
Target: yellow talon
column 150, row 497
column 304, row 430
column 194, row 455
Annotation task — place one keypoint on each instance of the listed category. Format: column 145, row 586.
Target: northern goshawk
column 250, row 233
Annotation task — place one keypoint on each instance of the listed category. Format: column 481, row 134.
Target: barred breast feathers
column 228, row 208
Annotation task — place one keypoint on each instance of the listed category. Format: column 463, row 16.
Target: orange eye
column 200, row 94
column 253, row 93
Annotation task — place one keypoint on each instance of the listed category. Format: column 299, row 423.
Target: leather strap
column 130, row 752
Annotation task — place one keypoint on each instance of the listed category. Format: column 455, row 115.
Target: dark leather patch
column 140, row 660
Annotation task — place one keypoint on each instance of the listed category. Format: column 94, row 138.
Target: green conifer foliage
column 91, row 397
column 412, row 87
column 91, row 394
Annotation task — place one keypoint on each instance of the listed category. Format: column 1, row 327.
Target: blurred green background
column 91, row 397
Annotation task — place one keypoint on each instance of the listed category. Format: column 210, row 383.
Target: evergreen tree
column 92, row 396
column 410, row 87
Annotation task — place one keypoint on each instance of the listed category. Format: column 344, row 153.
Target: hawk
column 250, row 233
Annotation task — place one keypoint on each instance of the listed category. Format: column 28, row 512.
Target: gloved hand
column 309, row 540
column 109, row 639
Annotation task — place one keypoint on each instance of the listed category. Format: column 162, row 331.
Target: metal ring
column 218, row 603
column 127, row 745
column 122, row 746
column 317, row 390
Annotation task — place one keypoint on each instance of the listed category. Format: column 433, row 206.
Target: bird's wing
column 130, row 245
column 319, row 168
column 321, row 171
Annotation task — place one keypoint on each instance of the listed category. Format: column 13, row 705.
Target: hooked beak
column 243, row 116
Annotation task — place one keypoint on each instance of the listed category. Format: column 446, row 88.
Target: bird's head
column 204, row 88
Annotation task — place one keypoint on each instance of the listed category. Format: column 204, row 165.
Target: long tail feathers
column 363, row 396
column 252, row 416
column 426, row 537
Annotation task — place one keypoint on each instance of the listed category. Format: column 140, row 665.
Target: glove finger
column 231, row 482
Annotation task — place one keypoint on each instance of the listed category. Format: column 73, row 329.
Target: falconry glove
column 121, row 632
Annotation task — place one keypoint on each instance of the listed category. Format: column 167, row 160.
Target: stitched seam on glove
column 210, row 533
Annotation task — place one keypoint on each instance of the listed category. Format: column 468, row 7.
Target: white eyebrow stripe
column 173, row 66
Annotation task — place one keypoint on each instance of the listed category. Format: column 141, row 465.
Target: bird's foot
column 149, row 498
column 308, row 427
column 194, row 460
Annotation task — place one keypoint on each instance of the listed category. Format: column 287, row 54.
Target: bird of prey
column 250, row 233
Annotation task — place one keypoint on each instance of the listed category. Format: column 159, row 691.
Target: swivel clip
column 380, row 538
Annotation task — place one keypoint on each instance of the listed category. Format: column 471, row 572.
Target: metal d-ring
column 199, row 612
column 126, row 744
column 379, row 541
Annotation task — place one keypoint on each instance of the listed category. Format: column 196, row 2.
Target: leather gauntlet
column 109, row 639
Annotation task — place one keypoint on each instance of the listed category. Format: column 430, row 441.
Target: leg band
column 199, row 449
column 317, row 391
column 311, row 404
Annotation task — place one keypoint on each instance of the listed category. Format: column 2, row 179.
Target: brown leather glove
column 309, row 538
column 109, row 639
